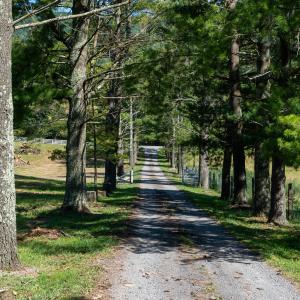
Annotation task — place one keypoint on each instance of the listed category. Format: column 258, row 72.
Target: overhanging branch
column 70, row 17
column 36, row 12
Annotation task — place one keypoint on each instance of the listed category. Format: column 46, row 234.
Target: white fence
column 41, row 141
column 190, row 177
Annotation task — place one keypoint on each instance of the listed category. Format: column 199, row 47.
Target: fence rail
column 41, row 141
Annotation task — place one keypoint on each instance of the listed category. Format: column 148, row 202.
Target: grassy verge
column 292, row 176
column 60, row 251
column 279, row 246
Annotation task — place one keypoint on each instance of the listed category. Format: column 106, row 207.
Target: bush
column 58, row 154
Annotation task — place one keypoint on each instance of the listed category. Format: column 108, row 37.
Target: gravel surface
column 176, row 252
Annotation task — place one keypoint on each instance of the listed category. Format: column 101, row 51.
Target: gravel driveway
column 176, row 252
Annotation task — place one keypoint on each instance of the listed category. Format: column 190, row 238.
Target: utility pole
column 131, row 153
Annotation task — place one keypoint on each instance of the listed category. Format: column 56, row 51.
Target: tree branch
column 70, row 17
column 261, row 76
column 36, row 12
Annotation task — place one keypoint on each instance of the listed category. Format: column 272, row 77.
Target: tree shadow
column 81, row 233
column 165, row 213
column 41, row 184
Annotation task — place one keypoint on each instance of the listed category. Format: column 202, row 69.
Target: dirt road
column 176, row 252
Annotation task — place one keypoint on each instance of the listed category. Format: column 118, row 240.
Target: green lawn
column 64, row 267
column 280, row 246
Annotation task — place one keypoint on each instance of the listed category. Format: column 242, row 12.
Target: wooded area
column 216, row 83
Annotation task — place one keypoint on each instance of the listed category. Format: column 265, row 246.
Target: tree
column 8, row 240
column 261, row 159
column 277, row 213
column 113, row 121
column 235, row 100
column 75, row 199
column 75, row 193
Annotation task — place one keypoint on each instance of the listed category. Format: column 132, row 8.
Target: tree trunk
column 261, row 162
column 120, row 167
column 135, row 146
column 262, row 182
column 203, row 172
column 167, row 153
column 114, row 111
column 235, row 100
column 199, row 168
column 173, row 145
column 8, row 241
column 75, row 195
column 173, row 157
column 204, row 169
column 95, row 153
column 180, row 160
column 238, row 151
column 194, row 159
column 227, row 160
column 278, row 204
column 112, row 129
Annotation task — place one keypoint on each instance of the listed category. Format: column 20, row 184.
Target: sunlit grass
column 65, row 267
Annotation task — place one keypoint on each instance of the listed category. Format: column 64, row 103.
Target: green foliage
column 58, row 154
column 289, row 142
column 38, row 92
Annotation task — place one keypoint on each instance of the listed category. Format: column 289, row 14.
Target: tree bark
column 120, row 167
column 203, row 172
column 135, row 145
column 278, row 204
column 112, row 130
column 180, row 160
column 75, row 196
column 261, row 162
column 8, row 240
column 194, row 159
column 262, row 182
column 95, row 153
column 173, row 154
column 235, row 100
column 204, row 169
column 199, row 168
column 227, row 160
column 238, row 150
column 114, row 112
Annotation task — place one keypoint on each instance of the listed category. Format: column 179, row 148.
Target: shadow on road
column 164, row 215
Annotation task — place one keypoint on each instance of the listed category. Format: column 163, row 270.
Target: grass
column 292, row 176
column 41, row 166
column 65, row 267
column 279, row 246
